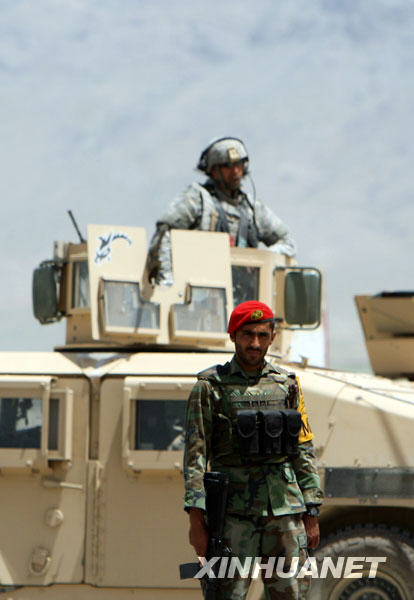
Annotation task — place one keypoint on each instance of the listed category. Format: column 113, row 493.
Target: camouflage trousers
column 265, row 537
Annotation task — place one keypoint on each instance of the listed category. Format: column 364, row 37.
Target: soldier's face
column 251, row 343
column 229, row 176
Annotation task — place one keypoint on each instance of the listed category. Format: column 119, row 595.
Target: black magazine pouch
column 247, row 428
column 271, row 432
column 293, row 424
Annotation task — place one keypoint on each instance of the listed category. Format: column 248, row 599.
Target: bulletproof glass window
column 204, row 310
column 303, row 297
column 20, row 422
column 159, row 424
column 53, row 424
column 123, row 307
column 245, row 283
column 80, row 284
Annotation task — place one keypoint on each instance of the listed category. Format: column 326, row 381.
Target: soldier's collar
column 236, row 368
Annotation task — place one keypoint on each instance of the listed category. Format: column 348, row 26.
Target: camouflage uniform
column 267, row 496
column 207, row 208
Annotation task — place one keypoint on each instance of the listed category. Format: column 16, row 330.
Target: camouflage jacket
column 275, row 483
column 205, row 207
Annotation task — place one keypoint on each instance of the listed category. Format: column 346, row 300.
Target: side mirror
column 299, row 297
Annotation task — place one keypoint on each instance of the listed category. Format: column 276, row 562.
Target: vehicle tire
column 394, row 579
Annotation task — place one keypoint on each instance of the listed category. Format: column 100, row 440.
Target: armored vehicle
column 91, row 435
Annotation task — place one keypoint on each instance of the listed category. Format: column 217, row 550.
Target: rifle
column 216, row 486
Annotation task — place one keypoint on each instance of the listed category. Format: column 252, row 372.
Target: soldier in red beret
column 255, row 323
column 247, row 419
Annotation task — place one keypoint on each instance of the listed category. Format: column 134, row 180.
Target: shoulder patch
column 306, row 434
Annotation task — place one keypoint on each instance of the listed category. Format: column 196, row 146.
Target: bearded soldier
column 219, row 204
column 247, row 419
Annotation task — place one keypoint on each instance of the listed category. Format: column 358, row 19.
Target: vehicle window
column 80, row 284
column 20, row 422
column 206, row 311
column 159, row 424
column 53, row 423
column 245, row 283
column 124, row 306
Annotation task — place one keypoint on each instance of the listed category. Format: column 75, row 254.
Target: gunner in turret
column 219, row 204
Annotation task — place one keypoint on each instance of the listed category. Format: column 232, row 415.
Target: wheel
column 394, row 579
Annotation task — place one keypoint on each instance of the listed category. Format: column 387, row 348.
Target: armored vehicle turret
column 91, row 435
column 388, row 323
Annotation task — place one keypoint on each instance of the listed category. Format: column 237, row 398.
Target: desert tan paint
column 103, row 520
column 388, row 325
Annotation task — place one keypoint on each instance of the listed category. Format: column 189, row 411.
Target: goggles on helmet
column 223, row 151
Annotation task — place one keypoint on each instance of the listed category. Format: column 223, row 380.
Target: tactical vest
column 213, row 217
column 253, row 424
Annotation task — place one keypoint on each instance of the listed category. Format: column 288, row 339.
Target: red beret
column 251, row 311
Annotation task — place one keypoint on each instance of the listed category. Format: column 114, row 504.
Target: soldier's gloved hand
column 312, row 530
column 198, row 534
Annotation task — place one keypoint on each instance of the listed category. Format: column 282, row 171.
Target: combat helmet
column 221, row 151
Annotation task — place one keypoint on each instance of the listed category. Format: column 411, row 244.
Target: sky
column 106, row 107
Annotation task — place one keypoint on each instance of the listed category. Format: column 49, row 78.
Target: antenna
column 253, row 186
column 72, row 218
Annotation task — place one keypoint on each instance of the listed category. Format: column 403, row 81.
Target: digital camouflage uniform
column 207, row 208
column 267, row 496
